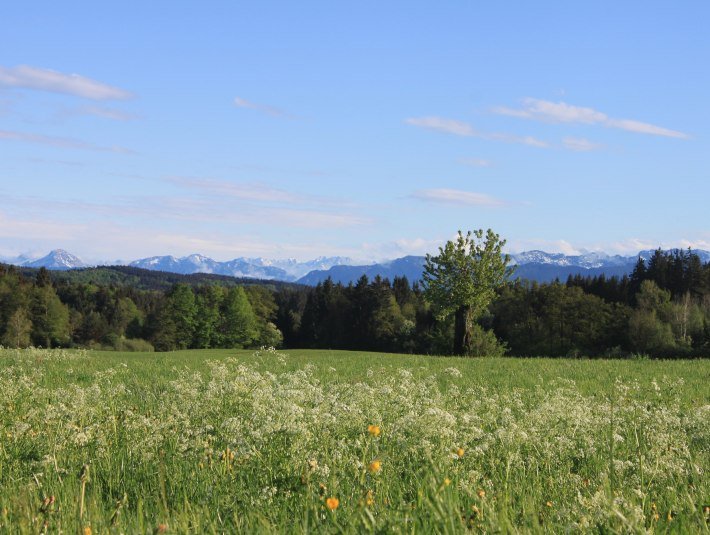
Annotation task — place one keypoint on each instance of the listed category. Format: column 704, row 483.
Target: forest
column 661, row 309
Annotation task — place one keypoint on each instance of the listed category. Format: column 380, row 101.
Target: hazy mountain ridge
column 534, row 265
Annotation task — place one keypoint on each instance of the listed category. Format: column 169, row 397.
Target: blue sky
column 369, row 129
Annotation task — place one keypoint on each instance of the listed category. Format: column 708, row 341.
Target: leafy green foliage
column 463, row 279
column 466, row 272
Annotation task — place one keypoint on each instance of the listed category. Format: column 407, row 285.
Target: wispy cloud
column 454, row 196
column 210, row 210
column 460, row 128
column 248, row 191
column 580, row 144
column 24, row 76
column 475, row 162
column 377, row 251
column 549, row 246
column 60, row 142
column 107, row 113
column 440, row 124
column 561, row 112
column 523, row 140
column 269, row 110
column 32, row 229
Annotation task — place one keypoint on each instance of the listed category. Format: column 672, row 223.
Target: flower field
column 330, row 442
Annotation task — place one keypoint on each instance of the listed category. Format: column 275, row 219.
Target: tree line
column 661, row 309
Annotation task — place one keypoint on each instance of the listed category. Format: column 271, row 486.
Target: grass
column 221, row 441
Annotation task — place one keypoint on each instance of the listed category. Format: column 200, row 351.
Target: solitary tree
column 462, row 280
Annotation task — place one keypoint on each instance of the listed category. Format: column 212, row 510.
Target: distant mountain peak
column 58, row 259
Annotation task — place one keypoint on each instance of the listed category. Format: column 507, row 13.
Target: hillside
column 145, row 279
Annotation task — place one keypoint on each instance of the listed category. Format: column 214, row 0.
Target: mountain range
column 533, row 265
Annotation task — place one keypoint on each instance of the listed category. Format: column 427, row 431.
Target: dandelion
column 447, row 482
column 369, row 498
column 481, row 493
column 460, row 452
column 332, row 503
column 548, row 504
column 375, row 466
column 161, row 528
column 374, row 430
column 87, row 530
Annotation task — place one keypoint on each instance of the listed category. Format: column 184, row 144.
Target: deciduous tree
column 462, row 280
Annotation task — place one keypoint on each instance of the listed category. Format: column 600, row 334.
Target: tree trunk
column 462, row 330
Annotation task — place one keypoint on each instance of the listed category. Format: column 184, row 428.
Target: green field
column 334, row 441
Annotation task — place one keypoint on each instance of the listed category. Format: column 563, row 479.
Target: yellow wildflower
column 375, row 466
column 481, row 493
column 374, row 430
column 460, row 452
column 369, row 498
column 332, row 503
column 548, row 504
column 87, row 530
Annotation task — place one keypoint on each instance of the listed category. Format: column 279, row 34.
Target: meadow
column 222, row 441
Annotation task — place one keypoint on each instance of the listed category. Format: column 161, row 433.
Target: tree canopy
column 463, row 279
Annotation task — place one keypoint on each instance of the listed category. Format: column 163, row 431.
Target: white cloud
column 580, row 144
column 107, row 113
column 60, row 142
column 380, row 251
column 27, row 77
column 440, row 124
column 561, row 112
column 549, row 246
column 476, row 162
column 238, row 190
column 269, row 110
column 459, row 128
column 453, row 196
column 523, row 140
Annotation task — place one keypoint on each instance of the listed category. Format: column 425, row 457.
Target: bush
column 134, row 344
column 485, row 344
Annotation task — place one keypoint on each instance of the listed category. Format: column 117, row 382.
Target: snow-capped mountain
column 193, row 263
column 255, row 268
column 58, row 259
column 586, row 260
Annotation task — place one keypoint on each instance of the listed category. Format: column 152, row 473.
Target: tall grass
column 205, row 442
